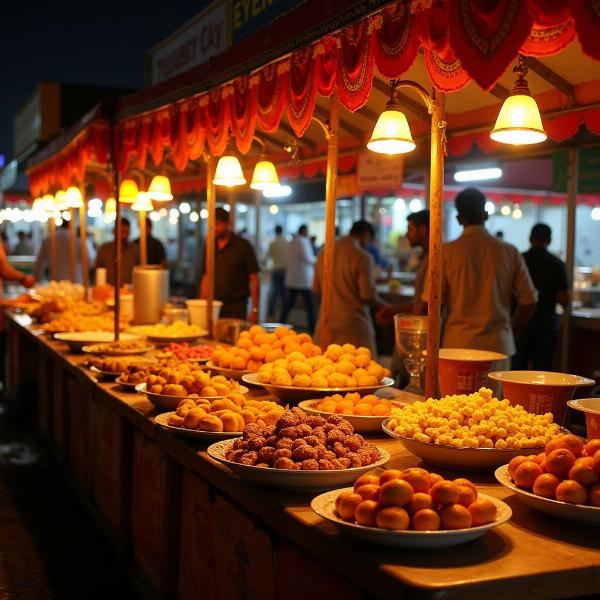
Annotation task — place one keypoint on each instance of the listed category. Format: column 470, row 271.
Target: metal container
column 228, row 330
column 150, row 293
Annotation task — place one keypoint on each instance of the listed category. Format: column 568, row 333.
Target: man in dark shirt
column 156, row 254
column 536, row 346
column 236, row 272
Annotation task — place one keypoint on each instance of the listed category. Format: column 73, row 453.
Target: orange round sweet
column 559, row 462
column 426, row 519
column 455, row 516
column 466, row 495
column 392, row 517
column 444, row 492
column 540, row 459
column 389, row 474
column 545, row 485
column 571, row 491
column 551, row 445
column 366, row 480
column 596, row 460
column 348, row 505
column 418, row 502
column 418, row 479
column 366, row 513
column 435, row 478
column 396, row 492
column 592, row 447
column 571, row 442
column 482, row 511
column 514, row 463
column 339, row 499
column 369, row 491
column 583, row 471
column 363, row 409
column 594, row 494
column 381, row 410
column 526, row 474
column 464, row 481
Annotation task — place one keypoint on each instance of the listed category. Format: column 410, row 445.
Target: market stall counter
column 184, row 526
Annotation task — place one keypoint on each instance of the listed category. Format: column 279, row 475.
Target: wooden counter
column 185, row 527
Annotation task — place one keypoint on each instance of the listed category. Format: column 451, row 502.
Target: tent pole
column 72, row 260
column 436, row 196
column 143, row 238
column 118, row 252
column 330, row 200
column 85, row 269
column 210, row 241
column 52, row 233
column 572, row 189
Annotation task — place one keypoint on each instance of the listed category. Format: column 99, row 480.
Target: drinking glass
column 411, row 341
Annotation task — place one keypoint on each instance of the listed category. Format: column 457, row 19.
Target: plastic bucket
column 591, row 408
column 197, row 310
column 464, row 371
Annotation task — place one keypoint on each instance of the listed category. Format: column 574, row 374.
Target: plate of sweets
column 300, row 452
column 200, row 353
column 178, row 332
column 474, row 432
column 412, row 509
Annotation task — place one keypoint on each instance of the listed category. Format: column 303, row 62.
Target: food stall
column 185, row 520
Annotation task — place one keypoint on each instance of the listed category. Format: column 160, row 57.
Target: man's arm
column 525, row 294
column 562, row 297
column 255, row 295
column 521, row 317
column 7, row 271
column 366, row 284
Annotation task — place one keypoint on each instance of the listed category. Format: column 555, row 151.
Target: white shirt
column 277, row 252
column 300, row 264
column 63, row 256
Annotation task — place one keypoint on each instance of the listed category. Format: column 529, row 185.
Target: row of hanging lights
column 229, row 173
column 519, row 121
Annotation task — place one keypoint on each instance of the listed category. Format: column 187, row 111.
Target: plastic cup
column 197, row 310
column 591, row 408
column 464, row 371
column 540, row 392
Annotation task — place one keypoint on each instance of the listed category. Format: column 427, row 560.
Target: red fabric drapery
column 463, row 41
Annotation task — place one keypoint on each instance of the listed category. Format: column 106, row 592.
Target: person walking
column 277, row 254
column 299, row 276
column 480, row 276
column 354, row 293
column 63, row 256
column 536, row 346
column 130, row 256
column 236, row 272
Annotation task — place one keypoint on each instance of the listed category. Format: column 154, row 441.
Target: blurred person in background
column 41, row 269
column 536, row 346
column 24, row 246
column 130, row 256
column 277, row 255
column 156, row 253
column 299, row 276
column 236, row 272
column 354, row 293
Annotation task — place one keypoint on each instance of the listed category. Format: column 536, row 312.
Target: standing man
column 354, row 291
column 299, row 276
column 130, row 256
column 537, row 343
column 417, row 234
column 156, row 253
column 236, row 272
column 63, row 255
column 480, row 276
column 277, row 252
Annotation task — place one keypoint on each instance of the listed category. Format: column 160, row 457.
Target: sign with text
column 196, row 42
column 247, row 16
column 379, row 172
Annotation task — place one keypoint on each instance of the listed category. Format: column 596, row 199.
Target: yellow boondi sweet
column 473, row 421
column 339, row 367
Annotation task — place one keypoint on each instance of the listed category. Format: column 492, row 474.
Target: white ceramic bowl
column 591, row 408
column 296, row 394
column 563, row 510
column 305, row 481
column 163, row 421
column 324, row 506
column 540, row 392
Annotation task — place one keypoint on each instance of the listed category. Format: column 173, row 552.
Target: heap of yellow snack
column 175, row 330
column 225, row 414
column 256, row 347
column 186, row 379
column 339, row 367
column 355, row 404
column 473, row 421
column 44, row 310
column 71, row 322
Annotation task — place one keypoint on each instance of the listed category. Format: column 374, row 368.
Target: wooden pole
column 572, row 189
column 72, row 257
column 436, row 192
column 118, row 250
column 210, row 241
column 85, row 267
column 52, row 232
column 330, row 200
column 143, row 238
column 257, row 220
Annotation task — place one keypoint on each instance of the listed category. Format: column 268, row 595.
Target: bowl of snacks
column 366, row 413
column 76, row 340
column 179, row 332
column 540, row 391
column 300, row 452
column 474, row 432
column 184, row 351
column 121, row 347
column 562, row 481
column 219, row 418
column 590, row 407
column 112, row 366
column 412, row 509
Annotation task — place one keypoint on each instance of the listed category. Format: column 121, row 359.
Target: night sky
column 100, row 43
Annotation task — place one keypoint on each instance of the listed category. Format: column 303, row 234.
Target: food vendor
column 130, row 256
